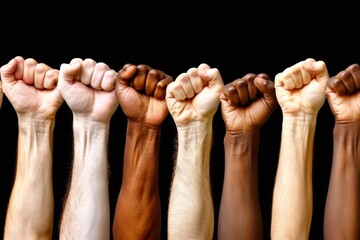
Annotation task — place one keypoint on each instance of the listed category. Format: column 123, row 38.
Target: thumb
column 212, row 76
column 69, row 72
column 320, row 71
column 267, row 87
column 8, row 71
column 126, row 74
column 128, row 71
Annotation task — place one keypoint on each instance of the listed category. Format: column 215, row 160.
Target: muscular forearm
column 30, row 211
column 86, row 213
column 191, row 214
column 240, row 215
column 293, row 185
column 344, row 189
column 138, row 211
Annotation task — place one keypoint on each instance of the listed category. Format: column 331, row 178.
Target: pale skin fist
column 300, row 89
column 343, row 94
column 141, row 91
column 247, row 102
column 88, row 88
column 195, row 95
column 31, row 87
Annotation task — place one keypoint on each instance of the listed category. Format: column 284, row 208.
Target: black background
column 236, row 40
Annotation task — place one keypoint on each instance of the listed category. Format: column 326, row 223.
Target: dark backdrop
column 234, row 43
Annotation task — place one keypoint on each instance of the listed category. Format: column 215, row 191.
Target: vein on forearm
column 138, row 210
column 347, row 145
column 239, row 214
column 86, row 211
column 33, row 182
column 141, row 155
column 293, row 186
column 90, row 148
column 35, row 151
column 241, row 152
column 191, row 207
column 193, row 150
column 340, row 222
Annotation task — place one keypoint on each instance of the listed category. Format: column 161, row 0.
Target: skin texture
column 140, row 91
column 192, row 100
column 342, row 210
column 88, row 89
column 246, row 104
column 31, row 89
column 300, row 91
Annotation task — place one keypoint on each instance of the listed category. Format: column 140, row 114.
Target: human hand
column 141, row 91
column 248, row 102
column 300, row 89
column 88, row 89
column 343, row 94
column 194, row 95
column 31, row 87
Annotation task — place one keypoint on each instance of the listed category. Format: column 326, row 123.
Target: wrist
column 300, row 118
column 194, row 130
column 140, row 126
column 346, row 133
column 140, row 133
column 90, row 131
column 298, row 122
column 35, row 125
column 298, row 132
column 241, row 146
column 241, row 137
column 87, row 124
column 242, row 134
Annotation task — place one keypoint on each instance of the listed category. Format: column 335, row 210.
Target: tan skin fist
column 343, row 94
column 141, row 91
column 247, row 102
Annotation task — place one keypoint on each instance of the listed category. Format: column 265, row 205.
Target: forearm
column 240, row 215
column 343, row 222
column 86, row 212
column 138, row 210
column 293, row 184
column 31, row 206
column 191, row 214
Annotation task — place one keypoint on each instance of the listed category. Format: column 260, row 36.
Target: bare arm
column 300, row 91
column 88, row 89
column 192, row 101
column 246, row 105
column 31, row 89
column 138, row 209
column 86, row 212
column 342, row 209
column 191, row 214
column 292, row 201
column 32, row 191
